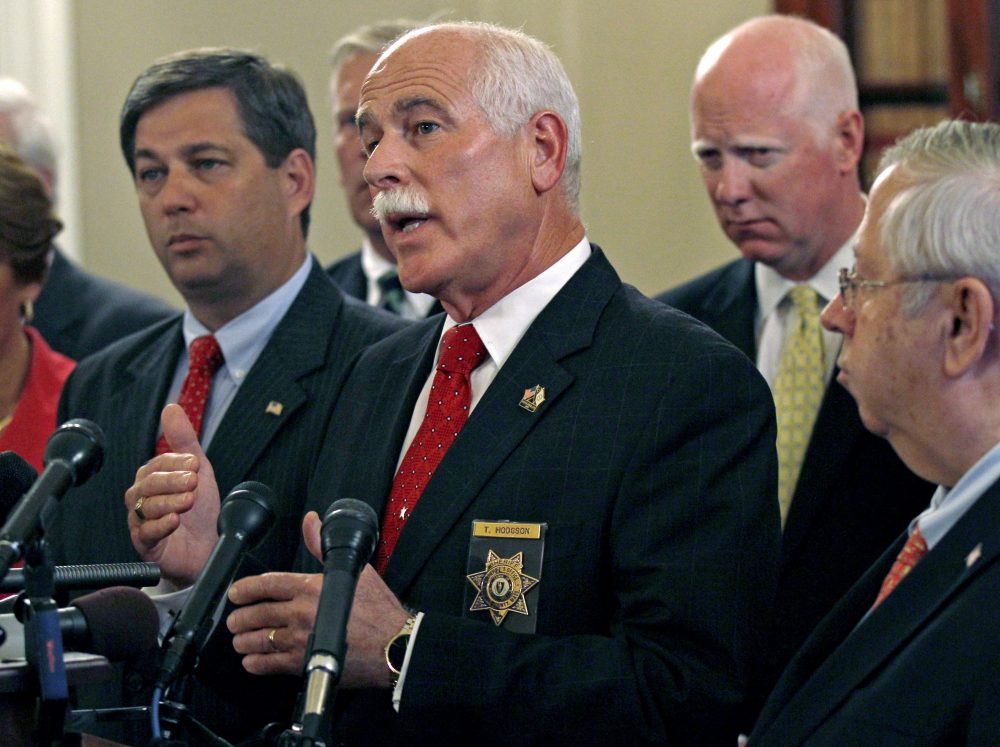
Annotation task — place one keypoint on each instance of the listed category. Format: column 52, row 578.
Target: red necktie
column 914, row 549
column 204, row 359
column 447, row 410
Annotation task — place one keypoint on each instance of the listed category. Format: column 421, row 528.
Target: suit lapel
column 970, row 547
column 272, row 392
column 731, row 305
column 498, row 424
column 838, row 428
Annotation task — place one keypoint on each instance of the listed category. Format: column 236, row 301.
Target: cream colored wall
column 631, row 62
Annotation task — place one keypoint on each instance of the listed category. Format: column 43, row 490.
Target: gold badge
column 501, row 587
column 533, row 398
column 274, row 408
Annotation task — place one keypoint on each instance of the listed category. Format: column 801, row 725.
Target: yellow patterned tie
column 798, row 391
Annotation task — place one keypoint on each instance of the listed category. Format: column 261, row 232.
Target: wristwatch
column 395, row 649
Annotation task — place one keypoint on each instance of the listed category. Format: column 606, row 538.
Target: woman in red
column 31, row 373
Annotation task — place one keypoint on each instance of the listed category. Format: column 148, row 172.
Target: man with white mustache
column 585, row 562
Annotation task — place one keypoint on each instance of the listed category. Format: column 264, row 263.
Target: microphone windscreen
column 16, row 476
column 122, row 622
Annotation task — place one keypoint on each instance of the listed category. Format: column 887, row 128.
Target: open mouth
column 407, row 222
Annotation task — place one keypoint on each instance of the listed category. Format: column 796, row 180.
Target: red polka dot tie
column 914, row 549
column 204, row 359
column 447, row 410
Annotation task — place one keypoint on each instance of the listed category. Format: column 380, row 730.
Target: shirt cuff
column 397, row 693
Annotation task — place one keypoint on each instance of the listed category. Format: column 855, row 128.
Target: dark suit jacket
column 79, row 314
column 349, row 276
column 854, row 496
column 921, row 670
column 123, row 389
column 652, row 463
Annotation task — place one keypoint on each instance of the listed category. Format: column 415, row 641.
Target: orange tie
column 447, row 410
column 204, row 359
column 914, row 549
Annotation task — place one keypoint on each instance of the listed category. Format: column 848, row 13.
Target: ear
column 971, row 311
column 299, row 180
column 548, row 141
column 849, row 140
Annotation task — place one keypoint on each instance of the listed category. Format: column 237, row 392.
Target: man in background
column 220, row 146
column 369, row 274
column 77, row 313
column 777, row 133
column 910, row 655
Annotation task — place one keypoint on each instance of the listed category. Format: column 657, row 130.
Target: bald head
column 794, row 64
column 777, row 132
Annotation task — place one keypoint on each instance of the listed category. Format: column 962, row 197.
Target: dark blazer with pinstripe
column 652, row 463
column 123, row 389
column 921, row 670
column 854, row 496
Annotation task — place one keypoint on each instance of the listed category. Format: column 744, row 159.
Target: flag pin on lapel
column 972, row 557
column 274, row 408
column 533, row 398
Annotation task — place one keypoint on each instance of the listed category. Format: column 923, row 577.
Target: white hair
column 518, row 76
column 944, row 221
column 33, row 140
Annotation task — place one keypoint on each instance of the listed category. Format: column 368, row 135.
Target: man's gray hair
column 518, row 76
column 33, row 140
column 370, row 39
column 945, row 219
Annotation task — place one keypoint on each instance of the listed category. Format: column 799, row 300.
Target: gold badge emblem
column 274, row 407
column 501, row 587
column 533, row 398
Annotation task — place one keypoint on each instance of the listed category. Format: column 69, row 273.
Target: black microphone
column 72, row 454
column 98, row 575
column 244, row 518
column 349, row 534
column 16, row 476
column 118, row 623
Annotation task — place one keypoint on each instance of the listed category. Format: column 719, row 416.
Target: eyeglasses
column 850, row 284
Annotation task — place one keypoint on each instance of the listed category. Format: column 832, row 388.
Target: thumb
column 178, row 431
column 310, row 533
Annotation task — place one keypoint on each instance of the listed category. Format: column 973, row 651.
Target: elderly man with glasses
column 910, row 655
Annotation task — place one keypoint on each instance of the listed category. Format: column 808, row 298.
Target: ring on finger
column 138, row 508
column 270, row 638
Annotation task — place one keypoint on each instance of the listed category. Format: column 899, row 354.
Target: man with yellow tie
column 778, row 136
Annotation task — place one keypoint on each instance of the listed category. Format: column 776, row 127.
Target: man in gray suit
column 778, row 136
column 76, row 312
column 220, row 146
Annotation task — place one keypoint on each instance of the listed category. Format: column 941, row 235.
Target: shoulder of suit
column 693, row 291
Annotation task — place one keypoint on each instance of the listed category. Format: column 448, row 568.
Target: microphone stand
column 43, row 646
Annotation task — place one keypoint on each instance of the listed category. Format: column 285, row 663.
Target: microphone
column 349, row 534
column 118, row 623
column 16, row 476
column 244, row 518
column 73, row 453
column 75, row 577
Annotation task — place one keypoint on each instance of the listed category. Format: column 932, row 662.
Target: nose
column 732, row 183
column 836, row 318
column 176, row 195
column 386, row 167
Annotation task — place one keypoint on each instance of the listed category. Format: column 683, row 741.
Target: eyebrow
column 404, row 106
column 187, row 151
